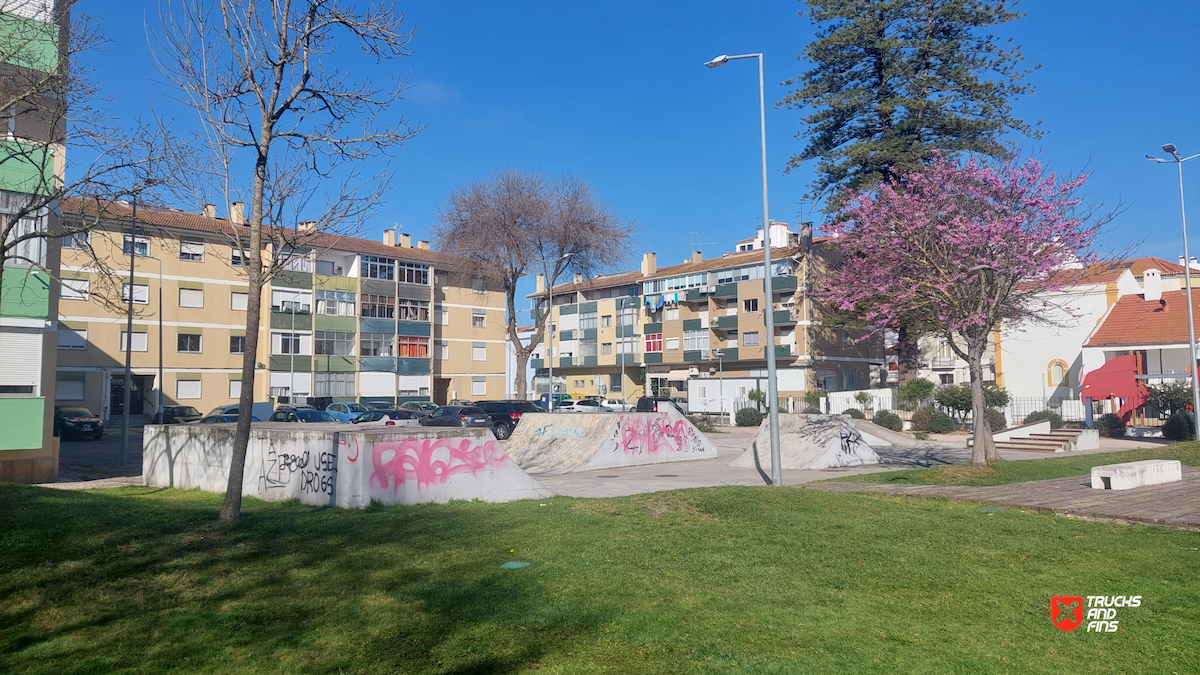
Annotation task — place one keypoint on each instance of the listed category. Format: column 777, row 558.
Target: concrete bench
column 1136, row 474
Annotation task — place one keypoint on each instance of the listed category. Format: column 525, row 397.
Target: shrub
column 1111, row 426
column 748, row 417
column 813, row 397
column 865, row 400
column 920, row 419
column 995, row 420
column 939, row 423
column 915, row 392
column 1179, row 427
column 758, row 397
column 855, row 413
column 703, row 423
column 811, row 410
column 921, row 435
column 1056, row 420
column 888, row 420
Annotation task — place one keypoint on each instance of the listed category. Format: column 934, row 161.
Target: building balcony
column 694, row 355
column 943, row 363
column 625, row 331
column 299, row 320
column 537, row 364
column 783, row 317
column 566, row 362
column 726, row 354
column 726, row 322
column 627, row 360
column 652, row 357
column 726, row 291
column 784, row 352
column 786, row 284
column 323, row 363
column 651, row 329
column 297, row 363
column 587, row 360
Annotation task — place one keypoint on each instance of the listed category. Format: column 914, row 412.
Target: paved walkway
column 1174, row 504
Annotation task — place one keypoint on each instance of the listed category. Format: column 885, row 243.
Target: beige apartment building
column 343, row 319
column 697, row 330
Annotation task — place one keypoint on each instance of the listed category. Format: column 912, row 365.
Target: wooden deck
column 1173, row 504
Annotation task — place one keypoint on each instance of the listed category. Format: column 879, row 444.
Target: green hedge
column 748, row 417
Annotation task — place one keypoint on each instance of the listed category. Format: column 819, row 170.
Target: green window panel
column 289, row 320
column 587, row 307
column 590, row 333
column 21, row 419
column 692, row 324
column 564, row 310
column 26, row 294
column 413, row 366
column 37, row 42
column 413, row 328
column 693, row 355
column 290, row 279
column 652, row 358
column 284, row 362
column 339, row 324
column 26, row 168
column 651, row 328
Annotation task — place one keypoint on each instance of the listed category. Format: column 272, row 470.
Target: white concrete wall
column 327, row 464
column 1026, row 350
column 881, row 399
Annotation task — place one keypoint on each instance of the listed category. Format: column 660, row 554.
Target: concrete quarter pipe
column 811, row 442
column 559, row 443
column 333, row 465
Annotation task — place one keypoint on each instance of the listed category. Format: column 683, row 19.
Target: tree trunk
column 906, row 355
column 519, row 377
column 984, row 449
column 231, row 509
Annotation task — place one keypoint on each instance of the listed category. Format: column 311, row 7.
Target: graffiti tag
column 547, row 431
column 651, row 435
column 277, row 470
column 433, row 460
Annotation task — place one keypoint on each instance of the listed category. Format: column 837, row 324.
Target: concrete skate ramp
column 811, row 442
column 557, row 443
column 334, row 465
column 877, row 436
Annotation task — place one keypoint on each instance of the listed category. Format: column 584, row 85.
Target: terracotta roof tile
column 1104, row 272
column 170, row 218
column 1133, row 321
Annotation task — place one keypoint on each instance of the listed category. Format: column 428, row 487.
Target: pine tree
column 894, row 80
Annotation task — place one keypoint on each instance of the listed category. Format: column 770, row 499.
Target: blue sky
column 616, row 93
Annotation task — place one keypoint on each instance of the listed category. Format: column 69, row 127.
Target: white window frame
column 191, row 251
column 190, row 293
column 141, row 293
column 441, row 315
column 235, row 389
column 441, row 350
column 77, row 240
column 140, row 341
column 671, row 314
column 75, row 289
column 60, row 390
column 478, row 385
column 670, row 344
column 136, row 243
column 77, row 339
column 184, row 392
column 190, row 351
column 478, row 318
column 747, row 341
column 479, row 351
column 237, row 298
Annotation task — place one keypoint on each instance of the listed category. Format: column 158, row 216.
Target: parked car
column 258, row 411
column 380, row 405
column 306, row 415
column 387, row 418
column 222, row 419
column 73, row 421
column 462, row 402
column 176, row 414
column 456, row 416
column 344, row 412
column 583, row 405
column 421, row 408
column 506, row 414
column 652, row 404
column 618, row 404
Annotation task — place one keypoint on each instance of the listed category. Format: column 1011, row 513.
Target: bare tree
column 518, row 224
column 273, row 107
column 49, row 103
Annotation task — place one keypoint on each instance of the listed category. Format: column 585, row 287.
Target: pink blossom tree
column 959, row 248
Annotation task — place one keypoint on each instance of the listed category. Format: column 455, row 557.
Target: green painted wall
column 26, row 294
column 29, row 43
column 25, row 168
column 21, row 420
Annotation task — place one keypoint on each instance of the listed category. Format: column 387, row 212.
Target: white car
column 586, row 405
column 387, row 418
column 619, row 405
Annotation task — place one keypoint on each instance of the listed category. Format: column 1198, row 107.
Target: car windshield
column 357, row 407
column 184, row 411
column 314, row 416
column 75, row 412
column 470, row 411
column 524, row 407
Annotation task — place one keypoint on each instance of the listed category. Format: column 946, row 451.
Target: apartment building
column 697, row 330
column 343, row 318
column 30, row 173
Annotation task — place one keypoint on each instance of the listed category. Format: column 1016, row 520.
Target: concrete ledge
column 1136, row 474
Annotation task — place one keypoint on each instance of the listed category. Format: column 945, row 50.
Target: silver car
column 584, row 405
column 386, row 418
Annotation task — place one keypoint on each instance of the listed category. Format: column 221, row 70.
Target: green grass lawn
column 722, row 580
column 1003, row 473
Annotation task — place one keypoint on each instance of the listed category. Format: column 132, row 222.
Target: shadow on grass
column 99, row 581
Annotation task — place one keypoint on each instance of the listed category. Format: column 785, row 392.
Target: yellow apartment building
column 697, row 331
column 343, row 319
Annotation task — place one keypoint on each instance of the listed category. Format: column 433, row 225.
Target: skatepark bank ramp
column 556, row 443
column 332, row 465
column 810, row 442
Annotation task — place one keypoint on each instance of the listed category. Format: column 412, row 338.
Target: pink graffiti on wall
column 431, row 460
column 649, row 435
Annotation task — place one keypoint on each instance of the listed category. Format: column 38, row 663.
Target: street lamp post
column 768, row 315
column 1178, row 160
column 129, row 338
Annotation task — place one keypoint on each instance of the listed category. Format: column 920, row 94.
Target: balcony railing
column 726, row 322
column 943, row 362
column 783, row 316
